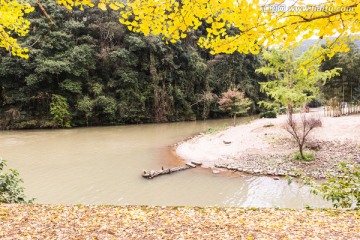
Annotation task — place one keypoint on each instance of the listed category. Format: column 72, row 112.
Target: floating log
column 154, row 173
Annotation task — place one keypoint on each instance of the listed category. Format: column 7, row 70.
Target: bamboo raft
column 155, row 173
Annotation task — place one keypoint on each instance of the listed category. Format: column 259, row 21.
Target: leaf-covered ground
column 137, row 222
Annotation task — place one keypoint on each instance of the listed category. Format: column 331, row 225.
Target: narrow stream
column 103, row 165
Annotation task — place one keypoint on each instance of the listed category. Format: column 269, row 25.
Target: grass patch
column 216, row 129
column 308, row 157
column 268, row 114
column 212, row 130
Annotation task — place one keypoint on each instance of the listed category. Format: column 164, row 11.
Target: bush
column 268, row 114
column 33, row 124
column 59, row 110
column 308, row 157
column 11, row 190
column 315, row 103
column 341, row 188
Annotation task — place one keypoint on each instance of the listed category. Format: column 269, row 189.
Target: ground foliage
column 138, row 222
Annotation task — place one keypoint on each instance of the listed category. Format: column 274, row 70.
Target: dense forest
column 85, row 68
column 345, row 87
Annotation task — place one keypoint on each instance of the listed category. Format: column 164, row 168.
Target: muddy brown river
column 103, row 165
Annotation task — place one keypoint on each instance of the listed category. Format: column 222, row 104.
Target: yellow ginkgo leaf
column 114, row 6
column 29, row 10
column 102, row 6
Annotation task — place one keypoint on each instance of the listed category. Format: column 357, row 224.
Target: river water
column 103, row 165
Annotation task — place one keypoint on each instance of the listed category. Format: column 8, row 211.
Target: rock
column 226, row 142
column 215, row 171
column 313, row 145
column 221, row 165
column 276, row 178
column 191, row 165
column 196, row 163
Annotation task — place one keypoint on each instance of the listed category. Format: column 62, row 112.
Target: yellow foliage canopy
column 12, row 22
column 252, row 23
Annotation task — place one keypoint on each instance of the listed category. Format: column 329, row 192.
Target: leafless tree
column 300, row 129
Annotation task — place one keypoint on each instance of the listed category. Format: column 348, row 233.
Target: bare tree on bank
column 300, row 129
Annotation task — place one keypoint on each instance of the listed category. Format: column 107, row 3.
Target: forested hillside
column 88, row 69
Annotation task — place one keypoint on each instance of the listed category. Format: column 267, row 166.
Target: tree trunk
column 290, row 113
column 234, row 120
column 301, row 152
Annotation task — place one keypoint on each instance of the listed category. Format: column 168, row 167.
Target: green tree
column 59, row 111
column 86, row 105
column 11, row 190
column 293, row 81
column 234, row 102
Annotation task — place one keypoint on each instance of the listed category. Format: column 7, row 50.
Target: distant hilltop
column 310, row 42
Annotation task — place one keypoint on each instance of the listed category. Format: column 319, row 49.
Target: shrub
column 268, row 114
column 59, row 110
column 315, row 103
column 341, row 188
column 308, row 157
column 11, row 190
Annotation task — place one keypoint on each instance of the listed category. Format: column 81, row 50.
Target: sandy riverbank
column 264, row 147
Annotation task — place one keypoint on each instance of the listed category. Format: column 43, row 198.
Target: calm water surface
column 103, row 165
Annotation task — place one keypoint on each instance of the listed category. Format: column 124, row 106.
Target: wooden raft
column 154, row 173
